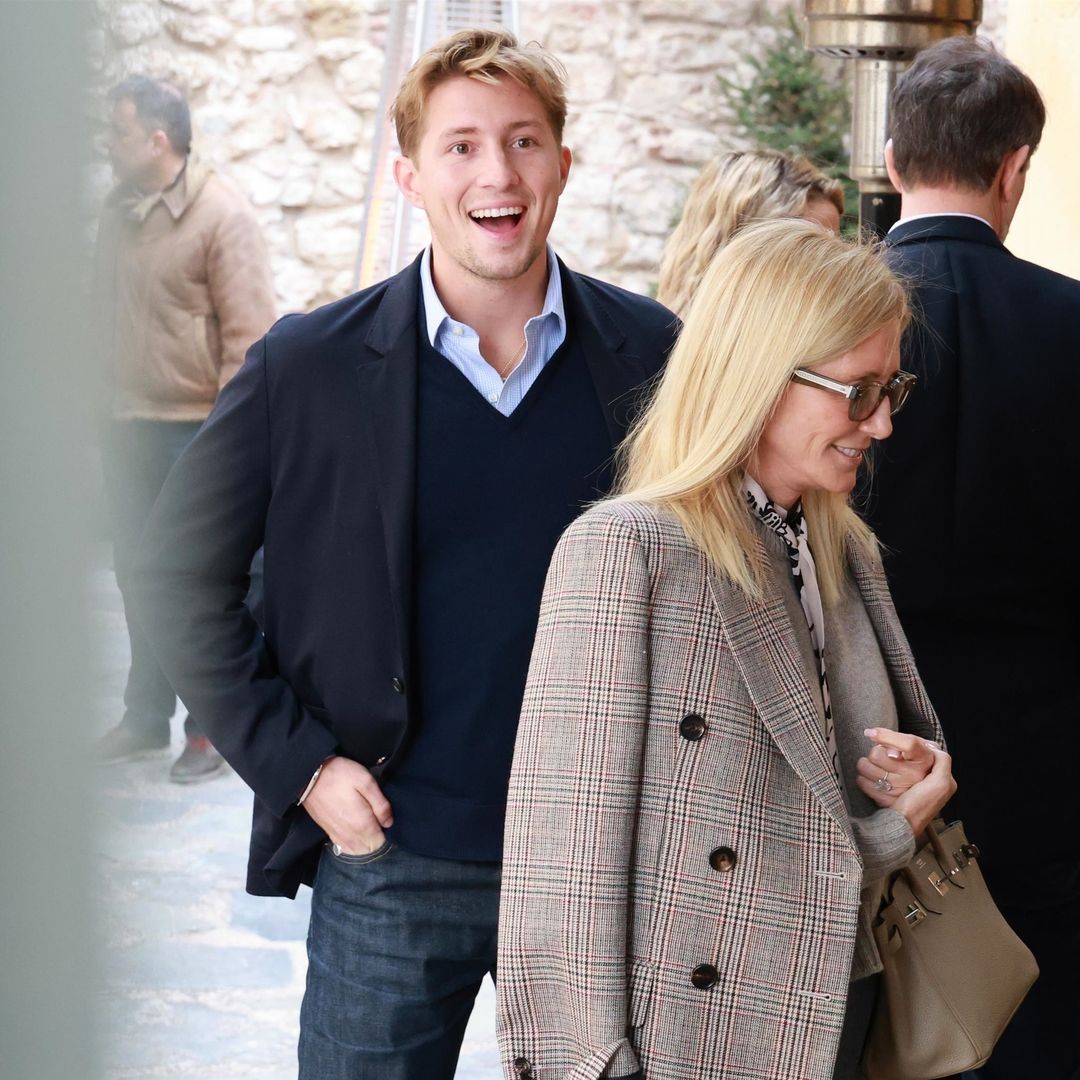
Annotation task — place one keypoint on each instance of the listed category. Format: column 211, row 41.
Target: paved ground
column 202, row 981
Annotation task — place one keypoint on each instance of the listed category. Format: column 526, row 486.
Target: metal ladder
column 393, row 230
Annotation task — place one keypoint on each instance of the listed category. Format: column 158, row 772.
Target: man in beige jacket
column 183, row 287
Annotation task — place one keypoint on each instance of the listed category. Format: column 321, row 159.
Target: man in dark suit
column 408, row 457
column 971, row 499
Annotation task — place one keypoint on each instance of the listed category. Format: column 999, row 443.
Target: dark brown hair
column 956, row 113
column 158, row 105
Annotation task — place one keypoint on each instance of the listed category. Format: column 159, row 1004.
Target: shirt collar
column 435, row 314
column 176, row 198
column 953, row 213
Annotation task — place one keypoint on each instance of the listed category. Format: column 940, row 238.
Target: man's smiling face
column 488, row 171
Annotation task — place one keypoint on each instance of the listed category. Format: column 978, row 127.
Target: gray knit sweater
column 861, row 697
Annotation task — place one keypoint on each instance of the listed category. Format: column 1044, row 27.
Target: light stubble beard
column 468, row 260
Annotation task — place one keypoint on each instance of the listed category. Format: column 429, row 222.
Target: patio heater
column 393, row 230
column 880, row 37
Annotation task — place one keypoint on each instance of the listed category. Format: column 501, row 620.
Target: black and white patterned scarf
column 791, row 528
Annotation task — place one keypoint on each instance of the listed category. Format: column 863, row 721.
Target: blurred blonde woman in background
column 732, row 190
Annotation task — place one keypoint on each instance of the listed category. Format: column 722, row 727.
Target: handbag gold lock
column 941, row 886
column 914, row 914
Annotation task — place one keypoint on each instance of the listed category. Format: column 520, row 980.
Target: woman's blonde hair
column 484, row 55
column 782, row 295
column 731, row 191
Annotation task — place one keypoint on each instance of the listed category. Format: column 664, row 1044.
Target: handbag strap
column 950, row 864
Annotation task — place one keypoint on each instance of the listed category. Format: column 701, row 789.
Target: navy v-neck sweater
column 493, row 495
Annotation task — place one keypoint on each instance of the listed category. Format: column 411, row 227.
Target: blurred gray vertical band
column 46, row 941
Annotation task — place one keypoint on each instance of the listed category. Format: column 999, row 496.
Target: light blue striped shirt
column 460, row 344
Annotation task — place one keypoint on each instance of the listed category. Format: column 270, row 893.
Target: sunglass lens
column 865, row 402
column 899, row 391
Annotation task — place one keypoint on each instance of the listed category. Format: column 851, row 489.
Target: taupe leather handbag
column 954, row 971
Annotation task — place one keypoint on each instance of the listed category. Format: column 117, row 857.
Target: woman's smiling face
column 810, row 443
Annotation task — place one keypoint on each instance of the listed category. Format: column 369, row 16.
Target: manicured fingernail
column 870, row 731
column 896, row 755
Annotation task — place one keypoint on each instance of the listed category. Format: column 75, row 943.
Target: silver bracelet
column 311, row 783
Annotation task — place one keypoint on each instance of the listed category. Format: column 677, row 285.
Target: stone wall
column 284, row 96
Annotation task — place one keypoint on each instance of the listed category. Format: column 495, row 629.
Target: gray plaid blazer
column 680, row 881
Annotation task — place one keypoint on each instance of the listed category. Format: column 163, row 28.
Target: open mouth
column 850, row 453
column 498, row 220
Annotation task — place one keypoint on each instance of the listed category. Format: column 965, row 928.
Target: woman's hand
column 922, row 800
column 896, row 762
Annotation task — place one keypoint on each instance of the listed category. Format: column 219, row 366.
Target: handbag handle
column 945, row 860
column 951, row 862
column 950, row 866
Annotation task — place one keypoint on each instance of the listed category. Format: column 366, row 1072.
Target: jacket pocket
column 367, row 857
column 642, row 981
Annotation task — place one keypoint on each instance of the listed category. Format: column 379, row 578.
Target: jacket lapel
column 387, row 376
column 764, row 646
column 915, row 712
column 616, row 369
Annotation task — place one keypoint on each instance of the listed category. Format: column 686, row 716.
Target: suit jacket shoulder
column 378, row 314
column 653, row 528
column 302, row 336
column 964, row 258
column 652, row 326
column 639, row 307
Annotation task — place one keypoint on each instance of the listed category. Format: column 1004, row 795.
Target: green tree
column 793, row 104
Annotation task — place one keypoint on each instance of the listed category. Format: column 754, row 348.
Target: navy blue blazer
column 973, row 498
column 310, row 453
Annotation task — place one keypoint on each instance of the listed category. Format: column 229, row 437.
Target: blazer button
column 703, row 976
column 692, row 727
column 399, row 684
column 723, row 859
column 382, row 760
column 523, row 1067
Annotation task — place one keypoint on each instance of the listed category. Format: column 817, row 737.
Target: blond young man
column 408, row 456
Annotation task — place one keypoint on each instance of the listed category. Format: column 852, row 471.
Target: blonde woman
column 732, row 191
column 724, row 746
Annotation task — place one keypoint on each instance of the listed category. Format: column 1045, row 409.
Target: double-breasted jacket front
column 681, row 881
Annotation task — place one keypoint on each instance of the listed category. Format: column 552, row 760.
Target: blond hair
column 781, row 295
column 484, row 55
column 731, row 191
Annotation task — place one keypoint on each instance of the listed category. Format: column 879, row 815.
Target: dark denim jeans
column 397, row 949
